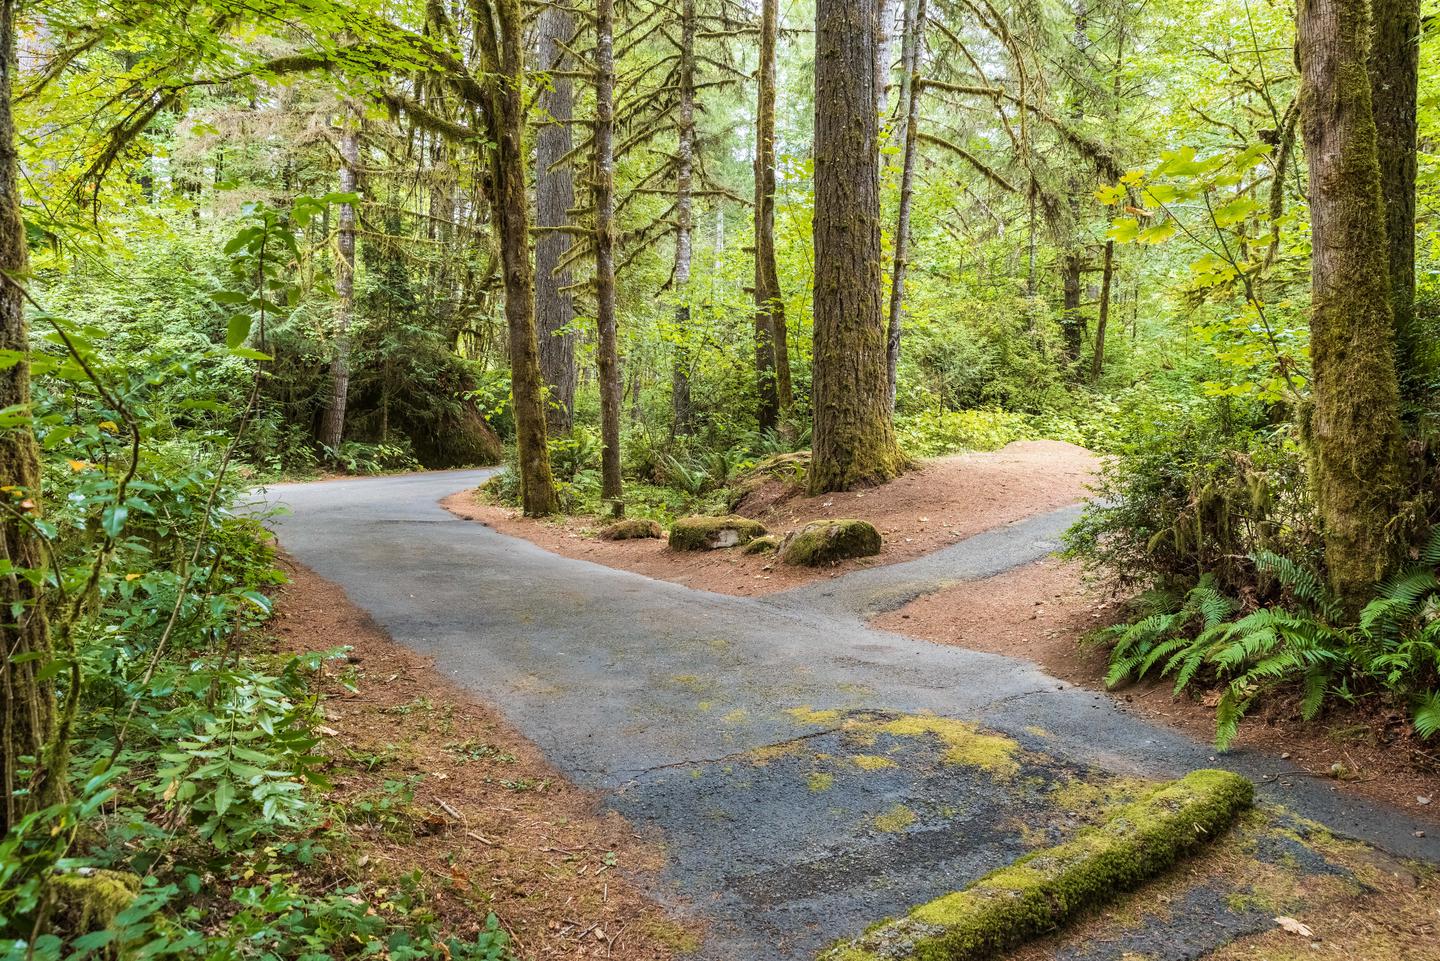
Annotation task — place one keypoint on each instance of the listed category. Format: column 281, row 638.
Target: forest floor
column 942, row 502
column 436, row 782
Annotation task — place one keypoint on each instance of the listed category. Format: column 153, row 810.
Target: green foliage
column 1392, row 647
column 933, row 433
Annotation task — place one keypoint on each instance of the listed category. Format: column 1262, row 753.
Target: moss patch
column 827, row 542
column 897, row 819
column 871, row 762
column 1046, row 888
column 636, row 528
column 90, row 902
column 819, row 781
column 768, row 544
column 964, row 743
column 712, row 533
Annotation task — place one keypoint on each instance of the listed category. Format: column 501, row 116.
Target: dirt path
column 807, row 775
column 438, row 782
column 941, row 503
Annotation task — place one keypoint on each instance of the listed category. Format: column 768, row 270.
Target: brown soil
column 491, row 825
column 943, row 501
column 1040, row 613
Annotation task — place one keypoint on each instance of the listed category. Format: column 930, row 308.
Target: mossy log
column 712, row 533
column 637, row 528
column 1048, row 887
column 90, row 901
column 826, row 542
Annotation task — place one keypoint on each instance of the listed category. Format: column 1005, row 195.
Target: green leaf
column 249, row 354
column 1227, row 215
column 1124, row 230
column 112, row 520
column 238, row 330
column 224, row 796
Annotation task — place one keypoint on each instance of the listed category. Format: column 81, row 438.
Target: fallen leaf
column 1294, row 927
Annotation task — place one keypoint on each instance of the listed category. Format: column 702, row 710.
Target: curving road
column 708, row 719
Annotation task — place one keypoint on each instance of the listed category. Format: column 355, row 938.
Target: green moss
column 636, row 528
column 710, row 533
column 871, row 762
column 964, row 744
column 768, row 544
column 826, row 542
column 90, row 902
column 897, row 819
column 808, row 715
column 1046, row 888
column 820, row 781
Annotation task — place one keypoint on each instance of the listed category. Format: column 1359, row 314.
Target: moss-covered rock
column 768, row 544
column 825, row 542
column 790, row 469
column 631, row 529
column 713, row 533
column 1047, row 887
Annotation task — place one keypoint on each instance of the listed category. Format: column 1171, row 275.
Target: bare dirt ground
column 1040, row 613
column 471, row 804
column 943, row 501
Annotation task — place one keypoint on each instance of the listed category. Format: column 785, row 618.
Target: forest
column 1159, row 279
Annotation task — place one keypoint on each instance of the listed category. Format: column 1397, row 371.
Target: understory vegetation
column 638, row 253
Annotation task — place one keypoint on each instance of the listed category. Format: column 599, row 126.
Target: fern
column 1427, row 714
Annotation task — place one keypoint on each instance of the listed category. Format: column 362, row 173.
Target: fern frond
column 1427, row 715
column 1430, row 554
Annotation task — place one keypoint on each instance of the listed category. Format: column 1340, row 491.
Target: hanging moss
column 1048, row 887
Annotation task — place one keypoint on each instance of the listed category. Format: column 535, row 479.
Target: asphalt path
column 742, row 733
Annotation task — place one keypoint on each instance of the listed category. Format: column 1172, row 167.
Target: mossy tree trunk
column 1354, row 427
column 607, row 359
column 681, row 407
column 27, row 703
column 772, row 360
column 1394, row 78
column 512, row 213
column 854, row 436
column 332, row 426
column 554, row 199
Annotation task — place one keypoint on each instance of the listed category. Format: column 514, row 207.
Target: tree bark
column 607, row 360
column 854, row 437
column 1354, row 428
column 332, row 427
column 684, row 213
column 1107, row 277
column 1072, row 322
column 913, row 47
column 1394, row 77
column 554, row 198
column 27, row 703
column 772, row 361
column 512, row 214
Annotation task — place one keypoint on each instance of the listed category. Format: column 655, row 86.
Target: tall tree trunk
column 854, row 436
column 1097, row 362
column 1354, row 428
column 608, row 360
column 554, row 198
column 1072, row 322
column 684, row 204
column 913, row 47
column 27, row 703
column 884, row 43
column 512, row 213
column 1394, row 79
column 772, row 361
column 332, row 428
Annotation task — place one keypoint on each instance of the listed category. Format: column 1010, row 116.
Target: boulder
column 825, row 542
column 630, row 529
column 712, row 533
column 768, row 544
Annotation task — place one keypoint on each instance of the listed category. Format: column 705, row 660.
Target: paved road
column 784, row 753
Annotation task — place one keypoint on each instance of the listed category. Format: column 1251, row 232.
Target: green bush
column 935, row 433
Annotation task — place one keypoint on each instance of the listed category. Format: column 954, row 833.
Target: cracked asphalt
column 726, row 727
